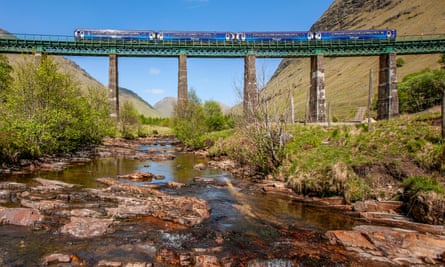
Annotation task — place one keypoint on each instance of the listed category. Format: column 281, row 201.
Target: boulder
column 428, row 207
column 200, row 166
column 20, row 216
column 13, row 186
column 85, row 227
column 395, row 245
column 56, row 258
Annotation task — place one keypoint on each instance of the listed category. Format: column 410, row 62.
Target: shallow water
column 258, row 229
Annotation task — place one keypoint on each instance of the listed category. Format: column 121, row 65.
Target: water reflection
column 179, row 170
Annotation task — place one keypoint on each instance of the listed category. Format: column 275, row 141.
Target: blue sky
column 156, row 78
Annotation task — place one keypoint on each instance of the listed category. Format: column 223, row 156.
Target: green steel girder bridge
column 316, row 50
column 67, row 45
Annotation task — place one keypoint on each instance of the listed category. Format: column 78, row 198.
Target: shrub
column 417, row 184
column 400, row 62
column 46, row 112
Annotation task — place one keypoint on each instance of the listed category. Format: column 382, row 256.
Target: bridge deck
column 67, row 45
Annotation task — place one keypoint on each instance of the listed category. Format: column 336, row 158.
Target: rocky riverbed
column 127, row 221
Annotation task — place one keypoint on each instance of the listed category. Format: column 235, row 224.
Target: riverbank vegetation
column 43, row 111
column 195, row 120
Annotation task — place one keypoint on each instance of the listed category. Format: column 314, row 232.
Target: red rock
column 206, row 261
column 105, row 263
column 84, row 227
column 57, row 258
column 398, row 246
column 349, row 239
column 20, row 216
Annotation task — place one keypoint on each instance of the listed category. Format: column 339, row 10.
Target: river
column 246, row 227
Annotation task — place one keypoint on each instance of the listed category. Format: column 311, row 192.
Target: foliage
column 400, row 62
column 189, row 124
column 417, row 184
column 442, row 61
column 422, row 90
column 129, row 122
column 214, row 118
column 5, row 74
column 356, row 189
column 44, row 112
column 194, row 121
column 165, row 122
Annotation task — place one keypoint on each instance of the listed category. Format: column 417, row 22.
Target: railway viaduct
column 386, row 50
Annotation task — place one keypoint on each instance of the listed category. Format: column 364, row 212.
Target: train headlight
column 310, row 36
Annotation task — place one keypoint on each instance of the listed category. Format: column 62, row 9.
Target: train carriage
column 274, row 36
column 195, row 36
column 356, row 35
column 109, row 34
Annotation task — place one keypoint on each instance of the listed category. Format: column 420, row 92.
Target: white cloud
column 155, row 91
column 154, row 71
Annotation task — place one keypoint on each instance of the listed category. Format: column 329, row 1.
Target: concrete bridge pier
column 250, row 98
column 317, row 93
column 388, row 98
column 37, row 57
column 113, row 86
column 182, row 83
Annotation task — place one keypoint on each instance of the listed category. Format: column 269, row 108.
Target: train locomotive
column 209, row 36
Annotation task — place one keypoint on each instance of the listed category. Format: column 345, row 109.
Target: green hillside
column 347, row 79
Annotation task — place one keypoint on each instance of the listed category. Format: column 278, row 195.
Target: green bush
column 422, row 90
column 46, row 112
column 400, row 62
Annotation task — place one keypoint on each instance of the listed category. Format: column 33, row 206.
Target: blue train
column 208, row 36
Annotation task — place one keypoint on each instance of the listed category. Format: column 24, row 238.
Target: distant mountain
column 140, row 104
column 166, row 106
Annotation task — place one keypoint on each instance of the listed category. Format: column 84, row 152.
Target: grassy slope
column 356, row 163
column 347, row 79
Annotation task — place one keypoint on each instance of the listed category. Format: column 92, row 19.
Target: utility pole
column 292, row 114
column 443, row 115
column 370, row 100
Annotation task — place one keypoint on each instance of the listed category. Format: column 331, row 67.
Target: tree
column 45, row 112
column 264, row 128
column 129, row 120
column 421, row 90
column 190, row 125
column 442, row 61
column 5, row 73
column 214, row 118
